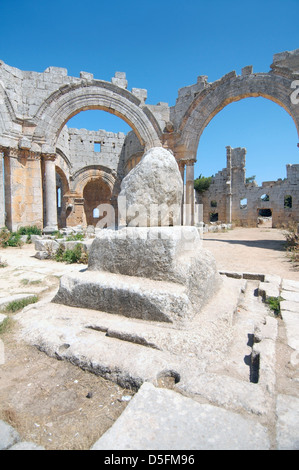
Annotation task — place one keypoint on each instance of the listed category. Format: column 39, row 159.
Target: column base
column 50, row 229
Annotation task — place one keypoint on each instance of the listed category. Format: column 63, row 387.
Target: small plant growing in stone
column 274, row 305
column 75, row 255
column 75, row 237
column 17, row 305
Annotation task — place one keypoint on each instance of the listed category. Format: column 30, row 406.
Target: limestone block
column 26, row 446
column 154, row 183
column 287, row 429
column 157, row 419
column 46, row 245
column 160, row 274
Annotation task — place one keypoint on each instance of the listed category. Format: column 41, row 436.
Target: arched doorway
column 95, row 193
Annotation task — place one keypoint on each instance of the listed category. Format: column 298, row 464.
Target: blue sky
column 163, row 46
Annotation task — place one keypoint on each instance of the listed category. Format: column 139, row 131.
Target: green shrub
column 5, row 325
column 75, row 237
column 31, row 230
column 75, row 255
column 274, row 304
column 14, row 240
column 4, row 237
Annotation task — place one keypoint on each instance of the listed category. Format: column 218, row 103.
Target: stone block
column 160, row 419
column 26, row 446
column 151, row 194
column 50, row 246
column 159, row 273
column 287, row 428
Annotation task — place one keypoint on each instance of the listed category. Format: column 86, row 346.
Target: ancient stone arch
column 34, row 140
column 78, row 205
column 212, row 99
column 68, row 101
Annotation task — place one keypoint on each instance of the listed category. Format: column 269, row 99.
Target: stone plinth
column 156, row 274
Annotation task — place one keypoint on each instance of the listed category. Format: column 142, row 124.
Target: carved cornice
column 20, row 153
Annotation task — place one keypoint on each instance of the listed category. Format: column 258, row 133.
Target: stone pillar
column 190, row 192
column 23, row 189
column 182, row 171
column 228, row 186
column 51, row 223
column 2, row 197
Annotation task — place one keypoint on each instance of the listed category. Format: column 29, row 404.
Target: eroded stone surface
column 153, row 190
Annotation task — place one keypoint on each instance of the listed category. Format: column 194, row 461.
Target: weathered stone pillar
column 50, row 194
column 182, row 171
column 2, row 197
column 229, row 186
column 23, row 188
column 190, row 192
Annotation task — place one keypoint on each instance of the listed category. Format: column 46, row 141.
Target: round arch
column 229, row 89
column 88, row 174
column 72, row 99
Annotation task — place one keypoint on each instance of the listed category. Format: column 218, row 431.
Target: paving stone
column 290, row 285
column 292, row 296
column 26, row 446
column 160, row 419
column 287, row 429
column 291, row 321
column 289, row 305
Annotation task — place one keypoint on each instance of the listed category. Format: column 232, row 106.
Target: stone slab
column 8, row 436
column 2, row 318
column 292, row 296
column 130, row 296
column 291, row 321
column 268, row 289
column 160, row 419
column 287, row 428
column 290, row 285
column 289, row 306
column 26, row 446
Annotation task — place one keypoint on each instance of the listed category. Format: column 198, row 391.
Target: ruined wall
column 234, row 200
column 35, row 108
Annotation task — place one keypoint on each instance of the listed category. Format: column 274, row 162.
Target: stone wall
column 44, row 160
column 230, row 199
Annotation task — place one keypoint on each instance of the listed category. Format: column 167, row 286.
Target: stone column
column 182, row 171
column 2, row 197
column 190, row 192
column 50, row 194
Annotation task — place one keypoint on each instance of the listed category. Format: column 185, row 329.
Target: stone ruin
column 230, row 199
column 155, row 271
column 151, row 307
column 53, row 176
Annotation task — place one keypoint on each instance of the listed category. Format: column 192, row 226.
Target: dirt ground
column 59, row 406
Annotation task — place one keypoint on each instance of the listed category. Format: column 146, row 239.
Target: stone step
column 130, row 296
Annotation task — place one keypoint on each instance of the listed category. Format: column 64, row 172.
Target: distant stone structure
column 55, row 176
column 229, row 199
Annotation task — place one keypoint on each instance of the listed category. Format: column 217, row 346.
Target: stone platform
column 210, row 361
column 157, row 274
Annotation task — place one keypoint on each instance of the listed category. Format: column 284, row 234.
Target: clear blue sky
column 163, row 46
